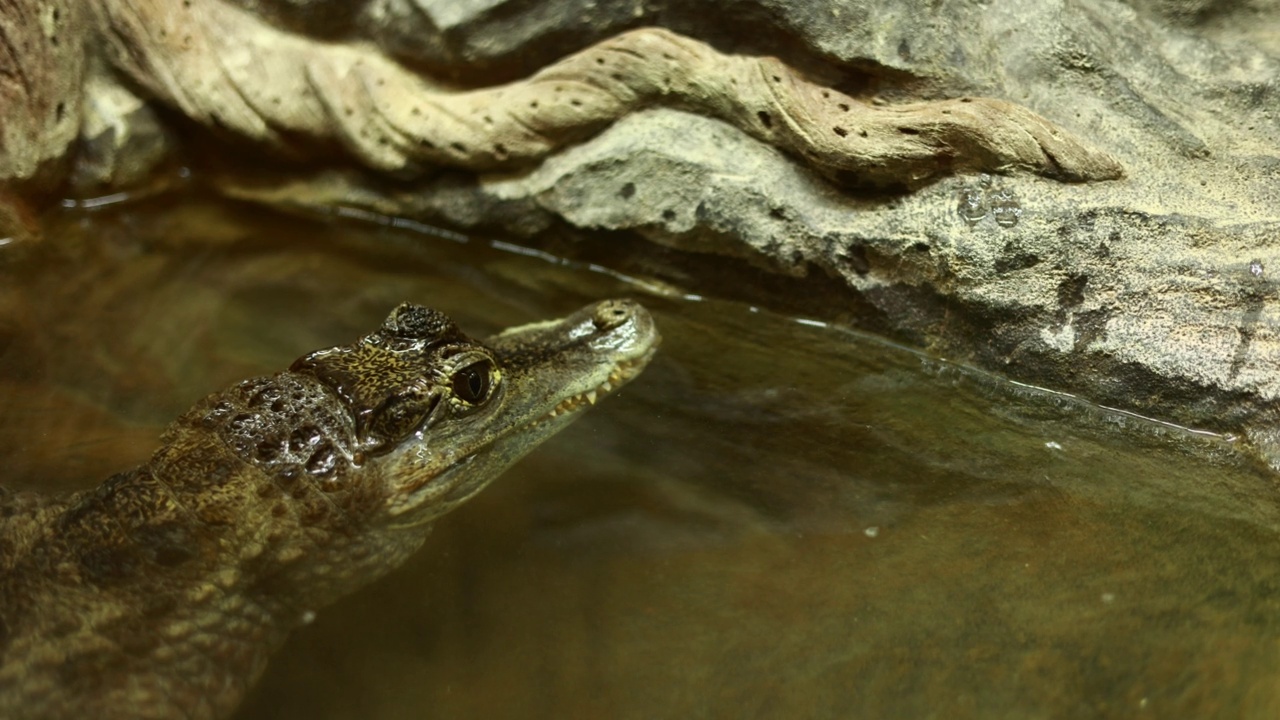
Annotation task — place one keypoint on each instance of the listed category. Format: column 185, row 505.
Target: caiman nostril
column 612, row 313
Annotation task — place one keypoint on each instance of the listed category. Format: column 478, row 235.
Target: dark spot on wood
column 669, row 215
column 765, row 119
column 1071, row 291
column 1013, row 258
column 840, row 131
column 627, row 191
column 908, row 131
column 844, row 107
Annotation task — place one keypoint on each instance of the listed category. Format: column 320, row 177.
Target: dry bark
column 228, row 69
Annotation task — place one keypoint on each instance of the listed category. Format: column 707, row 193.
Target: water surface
column 779, row 519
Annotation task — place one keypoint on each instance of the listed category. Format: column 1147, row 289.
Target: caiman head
column 436, row 415
column 323, row 474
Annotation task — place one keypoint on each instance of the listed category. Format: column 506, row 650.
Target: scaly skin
column 161, row 593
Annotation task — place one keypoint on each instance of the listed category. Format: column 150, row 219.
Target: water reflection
column 777, row 520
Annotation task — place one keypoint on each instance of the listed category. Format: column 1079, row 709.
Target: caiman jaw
column 621, row 375
column 550, row 372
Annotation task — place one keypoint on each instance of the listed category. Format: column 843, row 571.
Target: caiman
column 162, row 592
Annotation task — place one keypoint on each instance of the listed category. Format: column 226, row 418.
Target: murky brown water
column 779, row 520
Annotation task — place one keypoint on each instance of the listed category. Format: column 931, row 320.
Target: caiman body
column 162, row 592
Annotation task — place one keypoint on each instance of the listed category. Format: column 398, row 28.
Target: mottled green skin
column 162, row 592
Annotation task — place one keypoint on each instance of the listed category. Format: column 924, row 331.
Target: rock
column 123, row 142
column 41, row 69
column 1144, row 282
column 1144, row 296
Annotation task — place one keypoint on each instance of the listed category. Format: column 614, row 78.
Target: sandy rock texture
column 42, row 58
column 1082, row 195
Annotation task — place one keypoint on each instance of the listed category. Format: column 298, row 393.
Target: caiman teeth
column 617, row 378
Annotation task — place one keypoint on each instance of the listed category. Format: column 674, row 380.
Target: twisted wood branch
column 226, row 68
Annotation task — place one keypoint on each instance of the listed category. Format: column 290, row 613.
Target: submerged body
column 161, row 592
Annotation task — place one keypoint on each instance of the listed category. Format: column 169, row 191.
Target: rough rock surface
column 1153, row 292
column 41, row 70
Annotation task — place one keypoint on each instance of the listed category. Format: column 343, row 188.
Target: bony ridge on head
column 417, row 322
column 415, row 370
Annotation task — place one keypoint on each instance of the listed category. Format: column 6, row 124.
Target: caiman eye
column 472, row 382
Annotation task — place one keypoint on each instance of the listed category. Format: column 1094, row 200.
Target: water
column 779, row 519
